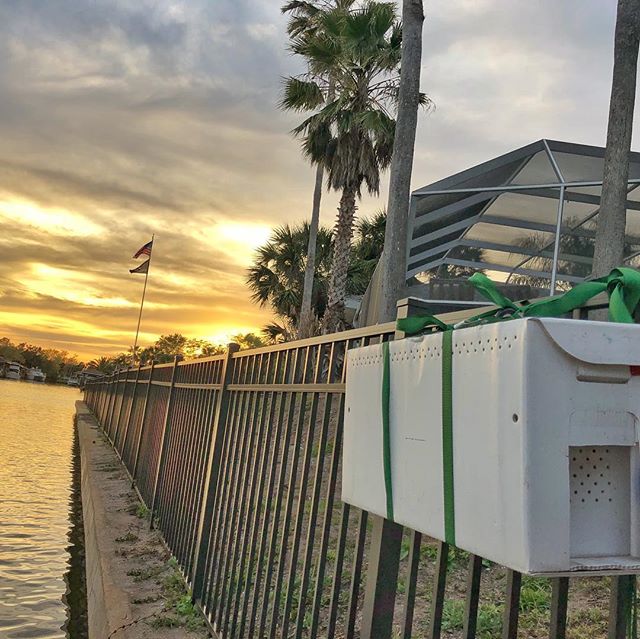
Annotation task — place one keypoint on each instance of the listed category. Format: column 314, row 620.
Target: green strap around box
column 623, row 288
column 386, row 434
column 447, row 438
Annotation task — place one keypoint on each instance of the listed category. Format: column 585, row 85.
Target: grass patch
column 142, row 512
column 489, row 621
column 143, row 574
column 179, row 611
column 127, row 538
column 146, row 600
column 452, row 615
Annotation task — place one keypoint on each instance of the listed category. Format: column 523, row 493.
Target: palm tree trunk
column 395, row 240
column 343, row 232
column 305, row 325
column 609, row 245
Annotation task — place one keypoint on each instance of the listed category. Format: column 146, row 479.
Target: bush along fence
column 238, row 459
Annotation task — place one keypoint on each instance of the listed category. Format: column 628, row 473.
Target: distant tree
column 10, row 351
column 105, row 365
column 276, row 277
column 275, row 333
column 54, row 363
column 609, row 244
column 247, row 341
column 167, row 347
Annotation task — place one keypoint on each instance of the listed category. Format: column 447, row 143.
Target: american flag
column 144, row 250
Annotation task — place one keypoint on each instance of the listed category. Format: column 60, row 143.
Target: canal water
column 36, row 463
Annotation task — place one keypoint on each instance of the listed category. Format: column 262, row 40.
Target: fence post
column 136, row 457
column 623, row 593
column 113, row 396
column 211, row 473
column 384, row 552
column 106, row 401
column 101, row 399
column 113, row 420
column 130, row 411
column 124, row 395
column 163, row 441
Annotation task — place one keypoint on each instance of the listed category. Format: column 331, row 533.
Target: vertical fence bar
column 328, row 513
column 291, row 490
column 472, row 597
column 118, row 395
column 211, row 474
column 130, row 411
column 382, row 579
column 102, row 399
column 337, row 571
column 113, row 395
column 559, row 600
column 136, row 457
column 241, row 607
column 163, row 441
column 439, row 583
column 130, row 416
column 124, row 396
column 511, row 605
column 623, row 592
column 307, row 453
column 266, row 553
column 356, row 575
column 384, row 551
column 410, row 587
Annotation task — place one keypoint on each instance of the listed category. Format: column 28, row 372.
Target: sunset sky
column 123, row 118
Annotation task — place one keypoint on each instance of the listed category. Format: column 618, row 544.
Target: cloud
column 122, row 118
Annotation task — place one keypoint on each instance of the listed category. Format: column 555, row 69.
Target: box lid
column 594, row 342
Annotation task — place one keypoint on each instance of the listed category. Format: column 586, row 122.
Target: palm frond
column 301, row 95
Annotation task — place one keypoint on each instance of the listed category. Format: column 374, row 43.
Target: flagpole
column 144, row 290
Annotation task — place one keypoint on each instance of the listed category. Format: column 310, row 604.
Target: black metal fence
column 238, row 459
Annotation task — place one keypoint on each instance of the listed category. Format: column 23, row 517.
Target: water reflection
column 36, row 434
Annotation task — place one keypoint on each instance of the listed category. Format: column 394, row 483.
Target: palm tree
column 102, row 364
column 351, row 135
column 276, row 277
column 394, row 257
column 609, row 245
column 365, row 253
column 277, row 274
column 304, row 22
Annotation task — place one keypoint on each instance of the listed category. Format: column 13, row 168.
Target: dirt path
column 135, row 590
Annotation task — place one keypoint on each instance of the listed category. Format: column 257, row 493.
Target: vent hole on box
column 591, row 475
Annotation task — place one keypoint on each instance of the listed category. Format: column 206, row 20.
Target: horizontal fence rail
column 238, row 460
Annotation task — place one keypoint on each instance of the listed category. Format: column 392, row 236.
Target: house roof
column 528, row 213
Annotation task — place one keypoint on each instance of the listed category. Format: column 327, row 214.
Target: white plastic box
column 545, row 441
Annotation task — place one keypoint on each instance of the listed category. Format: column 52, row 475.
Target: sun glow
column 238, row 240
column 54, row 220
column 71, row 286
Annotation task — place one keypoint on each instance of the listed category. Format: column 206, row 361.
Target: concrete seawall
column 127, row 565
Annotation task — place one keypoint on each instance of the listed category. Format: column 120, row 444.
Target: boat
column 36, row 375
column 14, row 370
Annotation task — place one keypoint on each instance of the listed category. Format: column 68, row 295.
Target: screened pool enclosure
column 525, row 218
